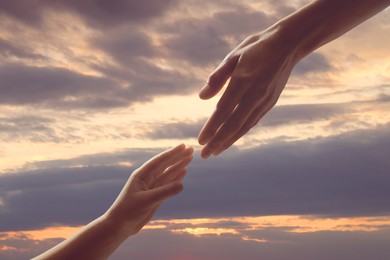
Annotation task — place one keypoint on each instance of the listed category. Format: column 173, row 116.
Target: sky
column 92, row 89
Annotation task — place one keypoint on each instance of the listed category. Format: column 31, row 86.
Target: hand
column 258, row 69
column 148, row 186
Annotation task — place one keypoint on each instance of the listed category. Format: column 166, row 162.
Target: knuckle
column 251, row 39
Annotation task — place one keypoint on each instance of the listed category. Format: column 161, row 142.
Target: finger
column 172, row 171
column 186, row 156
column 219, row 77
column 235, row 91
column 253, row 120
column 170, row 176
column 173, row 177
column 266, row 103
column 159, row 194
column 180, row 175
column 232, row 125
column 253, row 100
column 175, row 159
column 161, row 158
column 160, row 162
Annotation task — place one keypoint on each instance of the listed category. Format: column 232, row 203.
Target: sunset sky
column 91, row 89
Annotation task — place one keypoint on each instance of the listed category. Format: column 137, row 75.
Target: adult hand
column 155, row 181
column 260, row 66
column 258, row 69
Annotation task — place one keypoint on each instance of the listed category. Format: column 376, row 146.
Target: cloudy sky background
column 90, row 90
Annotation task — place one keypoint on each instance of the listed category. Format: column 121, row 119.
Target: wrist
column 322, row 21
column 120, row 228
column 310, row 27
column 300, row 38
column 279, row 37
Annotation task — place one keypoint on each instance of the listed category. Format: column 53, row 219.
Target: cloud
column 278, row 116
column 134, row 77
column 341, row 175
column 111, row 13
column 197, row 44
column 176, row 130
column 59, row 88
column 8, row 49
column 281, row 115
column 331, row 176
column 384, row 98
column 133, row 156
column 126, row 46
column 302, row 113
column 146, row 81
column 20, row 246
column 313, row 63
column 335, row 176
column 32, row 128
column 280, row 245
column 284, row 245
column 55, row 87
column 29, row 12
column 70, row 189
column 207, row 40
column 95, row 13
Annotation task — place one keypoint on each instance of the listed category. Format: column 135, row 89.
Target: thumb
column 219, row 77
column 158, row 195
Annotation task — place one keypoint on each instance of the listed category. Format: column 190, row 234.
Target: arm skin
column 260, row 66
column 155, row 181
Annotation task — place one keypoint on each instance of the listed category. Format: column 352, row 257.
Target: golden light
column 46, row 233
column 206, row 231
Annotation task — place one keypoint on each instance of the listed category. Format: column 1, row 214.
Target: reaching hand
column 155, row 181
column 260, row 66
column 258, row 69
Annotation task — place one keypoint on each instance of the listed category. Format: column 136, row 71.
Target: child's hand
column 155, row 181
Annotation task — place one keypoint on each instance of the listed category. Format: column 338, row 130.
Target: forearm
column 322, row 21
column 97, row 240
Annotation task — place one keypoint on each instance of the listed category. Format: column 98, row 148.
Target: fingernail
column 205, row 154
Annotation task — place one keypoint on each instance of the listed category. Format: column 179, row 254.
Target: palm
column 152, row 183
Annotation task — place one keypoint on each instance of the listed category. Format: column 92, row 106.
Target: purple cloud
column 345, row 175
